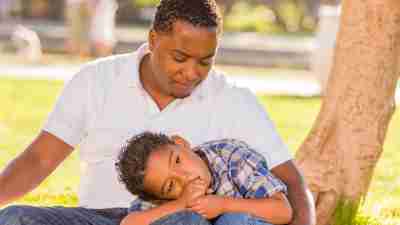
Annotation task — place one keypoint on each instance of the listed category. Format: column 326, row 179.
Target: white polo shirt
column 105, row 104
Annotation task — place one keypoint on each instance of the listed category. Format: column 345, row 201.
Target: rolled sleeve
column 68, row 119
column 260, row 182
column 264, row 186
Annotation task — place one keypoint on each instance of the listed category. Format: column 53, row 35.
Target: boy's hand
column 209, row 206
column 193, row 190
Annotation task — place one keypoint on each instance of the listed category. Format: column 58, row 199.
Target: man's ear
column 180, row 141
column 152, row 39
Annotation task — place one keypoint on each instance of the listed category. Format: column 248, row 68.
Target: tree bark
column 340, row 153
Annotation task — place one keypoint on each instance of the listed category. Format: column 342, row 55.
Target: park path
column 290, row 84
column 258, row 84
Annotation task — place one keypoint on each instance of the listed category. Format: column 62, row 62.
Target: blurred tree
column 293, row 15
column 145, row 3
column 340, row 153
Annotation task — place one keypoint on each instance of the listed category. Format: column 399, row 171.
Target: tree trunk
column 340, row 153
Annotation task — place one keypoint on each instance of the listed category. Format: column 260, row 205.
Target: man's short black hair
column 203, row 13
column 132, row 161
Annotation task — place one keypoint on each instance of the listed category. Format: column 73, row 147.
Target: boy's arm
column 275, row 209
column 148, row 216
column 193, row 190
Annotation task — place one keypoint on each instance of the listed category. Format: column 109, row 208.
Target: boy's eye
column 170, row 186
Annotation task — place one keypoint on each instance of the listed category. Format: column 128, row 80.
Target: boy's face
column 171, row 168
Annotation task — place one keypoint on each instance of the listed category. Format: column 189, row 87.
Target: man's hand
column 209, row 206
column 300, row 198
column 192, row 190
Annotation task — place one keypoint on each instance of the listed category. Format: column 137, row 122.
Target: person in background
column 102, row 31
column 78, row 14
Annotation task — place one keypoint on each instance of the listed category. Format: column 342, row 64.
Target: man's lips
column 185, row 86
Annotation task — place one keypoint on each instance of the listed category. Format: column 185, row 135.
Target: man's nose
column 192, row 73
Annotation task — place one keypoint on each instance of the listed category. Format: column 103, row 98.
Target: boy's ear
column 180, row 141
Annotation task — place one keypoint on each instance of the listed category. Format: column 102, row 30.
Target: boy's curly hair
column 132, row 161
column 203, row 13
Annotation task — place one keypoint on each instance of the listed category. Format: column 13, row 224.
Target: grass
column 26, row 103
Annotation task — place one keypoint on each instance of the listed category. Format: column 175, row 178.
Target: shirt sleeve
column 140, row 205
column 252, row 124
column 257, row 181
column 68, row 119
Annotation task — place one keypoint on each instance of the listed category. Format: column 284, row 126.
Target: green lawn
column 26, row 103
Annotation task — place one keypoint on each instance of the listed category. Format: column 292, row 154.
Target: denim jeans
column 192, row 218
column 182, row 218
column 29, row 215
column 238, row 219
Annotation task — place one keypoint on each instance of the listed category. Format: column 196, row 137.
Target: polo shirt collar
column 133, row 79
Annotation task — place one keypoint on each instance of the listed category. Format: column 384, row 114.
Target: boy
column 213, row 179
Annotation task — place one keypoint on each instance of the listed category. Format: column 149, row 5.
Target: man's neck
column 147, row 79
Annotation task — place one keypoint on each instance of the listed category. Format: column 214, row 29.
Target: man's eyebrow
column 189, row 56
column 169, row 166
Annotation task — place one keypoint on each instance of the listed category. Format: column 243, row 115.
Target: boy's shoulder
column 230, row 150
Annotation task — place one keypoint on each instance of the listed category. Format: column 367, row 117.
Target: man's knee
column 233, row 219
column 19, row 215
column 239, row 219
column 182, row 218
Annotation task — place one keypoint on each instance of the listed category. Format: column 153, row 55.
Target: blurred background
column 280, row 49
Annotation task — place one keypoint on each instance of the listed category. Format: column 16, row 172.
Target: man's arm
column 32, row 166
column 300, row 197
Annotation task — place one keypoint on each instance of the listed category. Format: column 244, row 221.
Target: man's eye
column 179, row 59
column 177, row 160
column 205, row 63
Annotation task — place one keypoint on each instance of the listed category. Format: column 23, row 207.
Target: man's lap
column 238, row 219
column 30, row 215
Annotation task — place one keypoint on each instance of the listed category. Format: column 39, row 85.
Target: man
column 168, row 86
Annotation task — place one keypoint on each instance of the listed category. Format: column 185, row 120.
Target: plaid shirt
column 237, row 170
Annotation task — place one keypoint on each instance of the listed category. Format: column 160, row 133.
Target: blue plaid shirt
column 237, row 170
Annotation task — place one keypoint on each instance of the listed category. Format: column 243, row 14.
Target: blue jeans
column 192, row 218
column 238, row 219
column 182, row 218
column 29, row 215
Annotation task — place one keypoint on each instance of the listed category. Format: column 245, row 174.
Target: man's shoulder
column 103, row 71
column 225, row 89
column 114, row 62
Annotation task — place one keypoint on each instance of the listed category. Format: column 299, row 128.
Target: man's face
column 181, row 59
column 169, row 169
